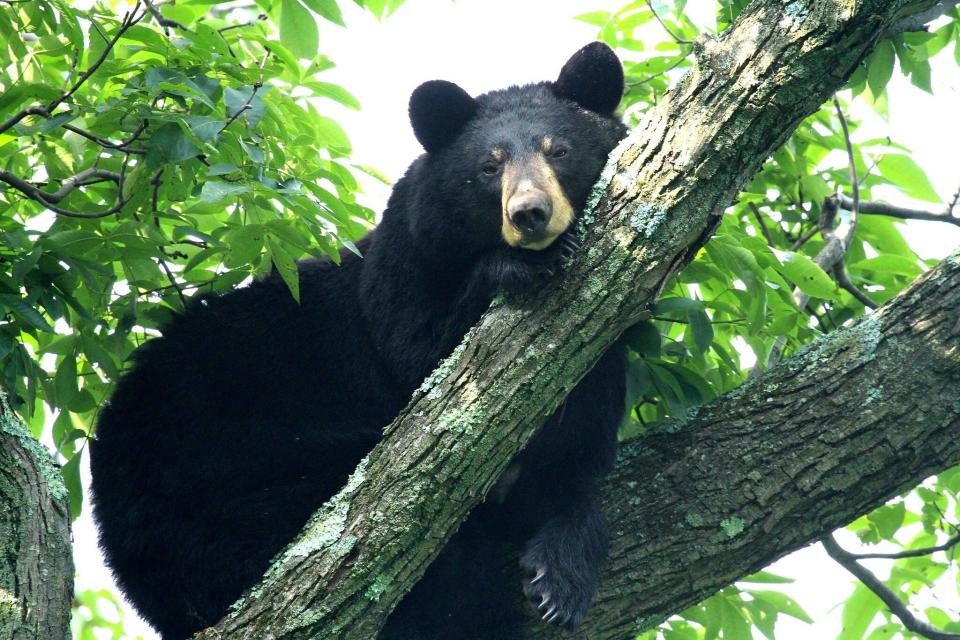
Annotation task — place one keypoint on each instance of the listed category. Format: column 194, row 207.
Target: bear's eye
column 559, row 152
column 490, row 168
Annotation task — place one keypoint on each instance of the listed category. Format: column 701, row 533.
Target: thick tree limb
column 36, row 564
column 834, row 432
column 657, row 203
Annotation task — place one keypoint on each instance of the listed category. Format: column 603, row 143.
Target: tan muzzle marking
column 533, row 173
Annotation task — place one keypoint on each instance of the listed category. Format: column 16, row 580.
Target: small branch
column 162, row 20
column 129, row 19
column 103, row 142
column 854, row 182
column 85, row 177
column 763, row 225
column 843, row 279
column 873, row 207
column 249, row 100
column 654, row 76
column 803, row 239
column 913, row 553
column 663, row 24
column 896, row 606
column 919, row 21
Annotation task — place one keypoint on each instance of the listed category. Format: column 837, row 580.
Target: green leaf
column 783, row 603
column 328, row 9
column 215, row 190
column 880, row 66
column 71, row 478
column 596, row 18
column 807, row 275
column 904, row 172
column 701, row 327
column 298, row 29
column 205, row 127
column 65, row 380
column 888, row 519
column 286, row 267
column 889, row 263
column 25, row 312
column 766, row 577
column 858, row 612
column 173, row 144
column 334, row 92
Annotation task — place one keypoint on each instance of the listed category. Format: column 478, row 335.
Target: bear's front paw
column 560, row 597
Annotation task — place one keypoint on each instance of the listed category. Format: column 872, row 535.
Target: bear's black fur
column 251, row 409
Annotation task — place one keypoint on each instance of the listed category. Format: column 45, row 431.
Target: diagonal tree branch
column 656, row 204
column 828, row 435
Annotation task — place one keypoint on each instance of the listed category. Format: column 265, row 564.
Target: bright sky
column 488, row 44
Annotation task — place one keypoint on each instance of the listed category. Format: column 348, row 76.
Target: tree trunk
column 848, row 423
column 36, row 565
column 656, row 204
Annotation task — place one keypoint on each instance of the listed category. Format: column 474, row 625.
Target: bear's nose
column 529, row 214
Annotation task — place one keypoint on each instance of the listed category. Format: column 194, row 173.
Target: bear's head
column 512, row 169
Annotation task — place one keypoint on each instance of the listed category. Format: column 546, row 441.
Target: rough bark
column 657, row 202
column 36, row 564
column 848, row 423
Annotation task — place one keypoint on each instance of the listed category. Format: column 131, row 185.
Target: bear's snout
column 529, row 213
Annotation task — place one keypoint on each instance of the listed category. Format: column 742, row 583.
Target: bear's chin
column 518, row 270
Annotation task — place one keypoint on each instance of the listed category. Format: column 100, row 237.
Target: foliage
column 183, row 149
column 189, row 161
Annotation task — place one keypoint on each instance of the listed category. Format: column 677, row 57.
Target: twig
column 873, row 207
column 912, row 553
column 680, row 60
column 663, row 24
column 162, row 20
column 103, row 142
column 896, row 606
column 854, row 183
column 155, row 182
column 85, row 177
column 129, row 19
column 802, row 240
column 256, row 86
column 843, row 279
column 763, row 225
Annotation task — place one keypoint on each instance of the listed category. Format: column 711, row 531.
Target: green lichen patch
column 325, row 528
column 694, row 519
column 446, row 367
column 733, row 526
column 647, row 218
column 11, row 425
column 462, row 420
column 378, row 587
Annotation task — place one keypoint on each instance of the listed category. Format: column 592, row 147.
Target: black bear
column 251, row 409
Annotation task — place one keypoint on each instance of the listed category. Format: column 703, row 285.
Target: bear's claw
column 559, row 602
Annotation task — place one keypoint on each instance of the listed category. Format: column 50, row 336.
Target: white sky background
column 488, row 44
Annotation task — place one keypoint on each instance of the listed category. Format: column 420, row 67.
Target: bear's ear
column 593, row 78
column 438, row 112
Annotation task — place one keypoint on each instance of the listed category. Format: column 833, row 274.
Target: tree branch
column 36, row 565
column 912, row 553
column 656, row 204
column 871, row 207
column 896, row 606
column 855, row 419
